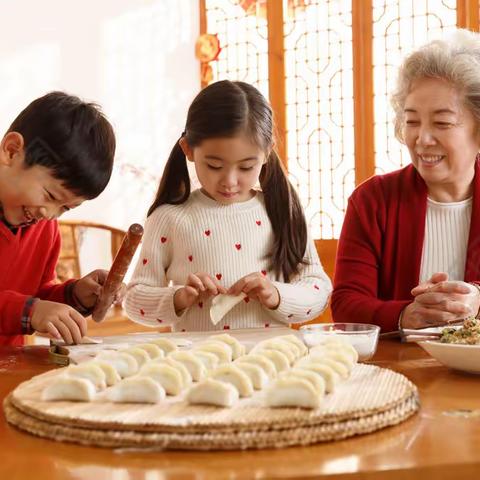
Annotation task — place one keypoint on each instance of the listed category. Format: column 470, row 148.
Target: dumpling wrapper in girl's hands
column 222, row 304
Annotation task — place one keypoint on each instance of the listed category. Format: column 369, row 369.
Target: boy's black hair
column 70, row 137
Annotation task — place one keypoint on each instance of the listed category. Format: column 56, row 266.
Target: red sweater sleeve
column 49, row 289
column 11, row 307
column 355, row 296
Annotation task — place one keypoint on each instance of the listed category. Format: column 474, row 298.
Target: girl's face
column 441, row 134
column 227, row 168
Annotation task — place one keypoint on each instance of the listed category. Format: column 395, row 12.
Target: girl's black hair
column 225, row 109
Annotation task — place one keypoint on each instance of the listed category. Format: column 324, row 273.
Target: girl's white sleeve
column 307, row 295
column 149, row 299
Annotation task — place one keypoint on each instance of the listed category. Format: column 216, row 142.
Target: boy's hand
column 197, row 284
column 88, row 288
column 59, row 320
column 258, row 287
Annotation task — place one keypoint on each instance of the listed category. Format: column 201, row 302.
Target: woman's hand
column 440, row 303
column 258, row 287
column 198, row 285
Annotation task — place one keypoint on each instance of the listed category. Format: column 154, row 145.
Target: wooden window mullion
column 276, row 73
column 467, row 14
column 363, row 89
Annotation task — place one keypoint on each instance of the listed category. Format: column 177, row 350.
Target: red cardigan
column 27, row 268
column 380, row 248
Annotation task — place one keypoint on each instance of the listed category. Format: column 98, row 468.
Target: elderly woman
column 409, row 251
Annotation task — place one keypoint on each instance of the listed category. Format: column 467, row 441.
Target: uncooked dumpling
column 210, row 360
column 140, row 355
column 330, row 376
column 136, row 389
column 154, row 351
column 337, row 355
column 262, row 361
column 111, row 375
column 237, row 348
column 295, row 340
column 182, row 369
column 165, row 345
column 167, row 376
column 124, row 363
column 314, row 378
column 194, row 366
column 90, row 371
column 292, row 392
column 288, row 350
column 220, row 349
column 213, row 392
column 69, row 388
column 237, row 377
column 336, row 347
column 278, row 358
column 256, row 374
column 222, row 304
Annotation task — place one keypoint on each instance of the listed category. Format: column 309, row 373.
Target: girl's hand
column 258, row 287
column 197, row 285
column 442, row 303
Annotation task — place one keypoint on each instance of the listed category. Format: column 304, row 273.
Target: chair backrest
column 68, row 265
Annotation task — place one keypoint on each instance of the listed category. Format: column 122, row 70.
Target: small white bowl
column 363, row 336
column 454, row 355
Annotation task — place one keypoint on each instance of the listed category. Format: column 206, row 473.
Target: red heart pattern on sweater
column 226, row 327
column 142, row 311
column 207, row 233
column 316, row 287
column 258, row 222
column 190, row 258
column 163, row 239
column 246, row 299
column 144, row 261
column 264, row 273
column 200, row 304
column 219, row 276
column 238, row 246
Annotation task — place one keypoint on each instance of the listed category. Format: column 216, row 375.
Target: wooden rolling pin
column 117, row 272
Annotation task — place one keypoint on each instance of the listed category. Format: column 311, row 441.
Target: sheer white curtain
column 134, row 57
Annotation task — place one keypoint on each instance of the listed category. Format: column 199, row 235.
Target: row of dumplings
column 313, row 375
column 254, row 371
column 143, row 373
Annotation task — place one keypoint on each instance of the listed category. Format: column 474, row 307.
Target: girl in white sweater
column 227, row 237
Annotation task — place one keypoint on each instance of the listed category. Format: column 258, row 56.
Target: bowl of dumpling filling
column 362, row 336
column 457, row 348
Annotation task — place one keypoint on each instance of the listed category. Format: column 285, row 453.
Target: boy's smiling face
column 29, row 194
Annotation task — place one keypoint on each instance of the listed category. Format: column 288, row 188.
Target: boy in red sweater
column 57, row 153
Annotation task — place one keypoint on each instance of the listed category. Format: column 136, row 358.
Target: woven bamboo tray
column 371, row 399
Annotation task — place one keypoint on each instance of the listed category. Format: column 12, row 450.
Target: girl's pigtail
column 174, row 186
column 287, row 218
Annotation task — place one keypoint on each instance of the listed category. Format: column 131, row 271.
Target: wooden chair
column 69, row 266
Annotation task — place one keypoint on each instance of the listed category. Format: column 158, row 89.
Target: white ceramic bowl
column 363, row 336
column 454, row 355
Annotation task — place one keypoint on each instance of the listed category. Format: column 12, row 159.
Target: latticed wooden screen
column 328, row 67
column 398, row 27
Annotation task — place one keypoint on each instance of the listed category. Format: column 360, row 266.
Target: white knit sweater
column 447, row 226
column 226, row 241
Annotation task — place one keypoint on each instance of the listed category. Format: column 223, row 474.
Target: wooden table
column 436, row 443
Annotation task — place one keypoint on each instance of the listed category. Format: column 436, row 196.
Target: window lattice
column 399, row 27
column 319, row 91
column 244, row 42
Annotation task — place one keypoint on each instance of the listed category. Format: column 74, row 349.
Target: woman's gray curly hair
column 455, row 59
